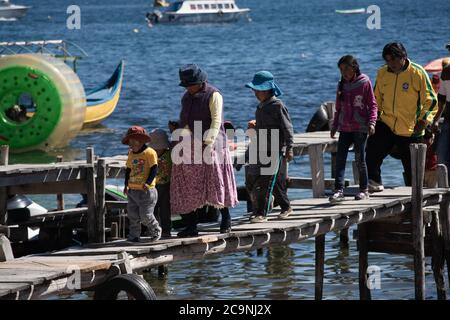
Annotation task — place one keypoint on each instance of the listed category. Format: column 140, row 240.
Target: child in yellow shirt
column 142, row 167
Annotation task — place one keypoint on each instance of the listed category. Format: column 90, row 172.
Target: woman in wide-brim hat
column 209, row 183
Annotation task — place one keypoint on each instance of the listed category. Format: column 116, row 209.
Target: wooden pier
column 93, row 266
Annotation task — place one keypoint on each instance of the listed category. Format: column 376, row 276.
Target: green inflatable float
column 42, row 102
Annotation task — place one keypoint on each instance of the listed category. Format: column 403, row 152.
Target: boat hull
column 202, row 17
column 13, row 13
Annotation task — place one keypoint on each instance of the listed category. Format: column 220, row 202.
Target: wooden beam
column 64, row 187
column 317, row 170
column 42, row 176
column 307, row 183
column 418, row 153
column 4, row 155
column 444, row 214
column 4, row 230
column 110, row 204
column 438, row 258
column 319, row 266
column 59, row 196
column 6, row 253
column 91, row 198
column 364, row 291
column 3, row 204
column 101, row 206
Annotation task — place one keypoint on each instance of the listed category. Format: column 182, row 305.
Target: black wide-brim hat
column 191, row 74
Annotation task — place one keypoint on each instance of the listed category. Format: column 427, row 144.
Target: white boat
column 352, row 11
column 195, row 11
column 9, row 11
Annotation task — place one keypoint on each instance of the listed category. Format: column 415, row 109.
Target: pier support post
column 60, row 197
column 418, row 153
column 101, row 204
column 4, row 158
column 444, row 214
column 319, row 266
column 317, row 175
column 6, row 253
column 438, row 258
column 91, row 198
column 364, row 291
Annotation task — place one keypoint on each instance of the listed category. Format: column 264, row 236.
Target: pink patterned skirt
column 212, row 183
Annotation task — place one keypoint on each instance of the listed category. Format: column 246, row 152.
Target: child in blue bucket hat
column 271, row 116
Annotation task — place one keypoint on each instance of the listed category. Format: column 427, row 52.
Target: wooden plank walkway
column 41, row 275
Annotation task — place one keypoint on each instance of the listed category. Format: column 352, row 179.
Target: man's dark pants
column 381, row 144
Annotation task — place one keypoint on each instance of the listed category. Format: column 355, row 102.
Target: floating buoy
column 42, row 102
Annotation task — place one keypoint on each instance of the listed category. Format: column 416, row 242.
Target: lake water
column 300, row 42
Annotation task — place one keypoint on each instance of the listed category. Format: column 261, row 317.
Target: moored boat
column 9, row 11
column 197, row 11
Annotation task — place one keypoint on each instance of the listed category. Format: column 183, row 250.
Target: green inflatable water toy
column 42, row 102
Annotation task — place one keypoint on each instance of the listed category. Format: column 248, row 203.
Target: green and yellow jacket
column 404, row 99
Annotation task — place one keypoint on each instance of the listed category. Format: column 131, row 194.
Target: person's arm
column 216, row 108
column 442, row 98
column 127, row 176
column 428, row 99
column 288, row 131
column 337, row 111
column 371, row 103
column 152, row 174
column 378, row 95
column 152, row 160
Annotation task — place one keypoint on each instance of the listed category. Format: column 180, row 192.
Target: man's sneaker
column 337, row 196
column 362, row 195
column 258, row 219
column 375, row 186
column 285, row 214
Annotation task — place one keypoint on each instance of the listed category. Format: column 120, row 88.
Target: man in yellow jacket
column 406, row 105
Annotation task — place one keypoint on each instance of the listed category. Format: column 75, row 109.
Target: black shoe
column 225, row 230
column 186, row 233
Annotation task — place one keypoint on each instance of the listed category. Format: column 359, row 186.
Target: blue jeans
column 443, row 147
column 359, row 140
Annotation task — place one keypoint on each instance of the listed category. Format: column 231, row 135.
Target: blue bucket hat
column 263, row 81
column 191, row 74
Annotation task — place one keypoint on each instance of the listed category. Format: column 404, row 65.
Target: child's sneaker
column 337, row 196
column 155, row 234
column 285, row 214
column 258, row 219
column 375, row 186
column 362, row 195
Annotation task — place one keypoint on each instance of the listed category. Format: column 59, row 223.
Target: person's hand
column 371, row 129
column 435, row 126
column 125, row 190
column 290, row 155
column 420, row 126
column 251, row 124
column 333, row 133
